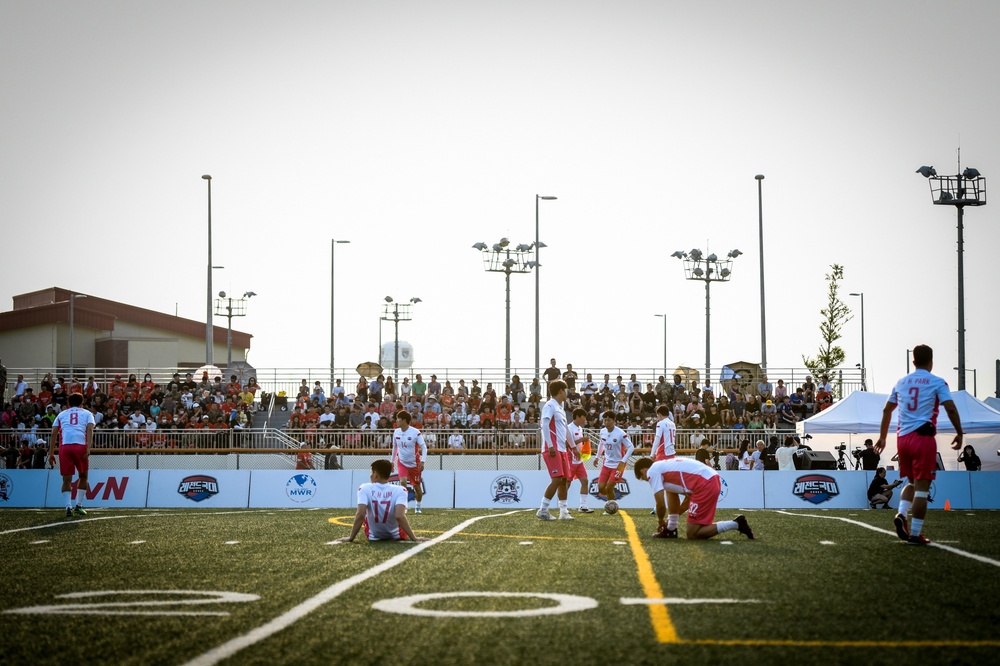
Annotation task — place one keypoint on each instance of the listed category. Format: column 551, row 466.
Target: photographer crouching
column 880, row 490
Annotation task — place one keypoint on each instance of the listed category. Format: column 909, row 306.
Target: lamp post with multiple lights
column 502, row 258
column 208, row 304
column 707, row 269
column 333, row 248
column 396, row 312
column 229, row 307
column 967, row 189
column 864, row 368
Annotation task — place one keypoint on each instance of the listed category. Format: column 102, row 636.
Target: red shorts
column 411, row 473
column 704, row 497
column 578, row 471
column 71, row 457
column 608, row 474
column 558, row 465
column 917, row 456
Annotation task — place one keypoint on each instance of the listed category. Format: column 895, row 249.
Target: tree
column 835, row 315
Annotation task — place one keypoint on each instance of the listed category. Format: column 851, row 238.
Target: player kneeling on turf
column 381, row 508
column 699, row 484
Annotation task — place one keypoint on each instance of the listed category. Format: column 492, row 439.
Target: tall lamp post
column 502, row 258
column 864, row 368
column 230, row 307
column 72, row 298
column 208, row 300
column 396, row 312
column 967, row 189
column 975, row 382
column 708, row 270
column 664, row 343
column 333, row 248
column 760, row 227
column 538, row 244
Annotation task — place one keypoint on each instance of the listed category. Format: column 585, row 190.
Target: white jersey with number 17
column 380, row 501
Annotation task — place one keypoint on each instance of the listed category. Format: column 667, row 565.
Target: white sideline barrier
column 182, row 488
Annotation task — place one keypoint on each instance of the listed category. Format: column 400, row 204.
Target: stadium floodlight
column 927, row 171
column 396, row 312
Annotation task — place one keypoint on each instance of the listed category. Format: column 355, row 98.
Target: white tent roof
column 861, row 412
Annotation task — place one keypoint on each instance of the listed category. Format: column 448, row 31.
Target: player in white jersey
column 616, row 448
column 555, row 451
column 666, row 433
column 700, row 486
column 919, row 395
column 409, row 451
column 381, row 508
column 73, row 432
column 578, row 454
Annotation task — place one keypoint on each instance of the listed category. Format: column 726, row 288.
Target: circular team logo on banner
column 506, row 489
column 723, row 488
column 6, row 487
column 301, row 488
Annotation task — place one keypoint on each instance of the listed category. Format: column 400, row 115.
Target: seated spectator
column 780, row 391
column 769, row 408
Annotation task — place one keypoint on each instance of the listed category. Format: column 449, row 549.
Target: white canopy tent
column 993, row 402
column 858, row 417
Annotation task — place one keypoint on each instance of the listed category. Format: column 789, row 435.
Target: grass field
column 823, row 586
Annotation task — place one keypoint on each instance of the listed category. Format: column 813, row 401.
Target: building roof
column 51, row 306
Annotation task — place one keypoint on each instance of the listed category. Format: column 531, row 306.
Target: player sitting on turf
column 616, row 448
column 699, row 484
column 381, row 508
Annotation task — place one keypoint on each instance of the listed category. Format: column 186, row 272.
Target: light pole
column 664, row 343
column 208, row 300
column 864, row 368
column 760, row 226
column 975, row 382
column 502, row 258
column 538, row 244
column 708, row 270
column 333, row 247
column 230, row 307
column 396, row 312
column 72, row 298
column 967, row 189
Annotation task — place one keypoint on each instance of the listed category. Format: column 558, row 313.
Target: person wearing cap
column 768, row 408
column 434, row 387
column 303, row 459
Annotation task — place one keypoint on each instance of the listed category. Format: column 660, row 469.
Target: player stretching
column 616, row 448
column 581, row 448
column 699, row 484
column 409, row 452
column 918, row 395
column 381, row 508
column 73, row 432
column 555, row 455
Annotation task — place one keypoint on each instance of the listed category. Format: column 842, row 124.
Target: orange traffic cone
column 947, row 505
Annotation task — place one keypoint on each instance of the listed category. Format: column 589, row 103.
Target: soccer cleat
column 743, row 526
column 584, row 509
column 79, row 511
column 565, row 516
column 873, row 505
column 69, row 512
column 652, row 512
column 918, row 540
column 666, row 534
column 902, row 530
column 417, row 510
column 543, row 514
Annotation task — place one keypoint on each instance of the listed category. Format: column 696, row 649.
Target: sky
column 415, row 129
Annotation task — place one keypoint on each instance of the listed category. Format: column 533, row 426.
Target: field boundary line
column 658, row 613
column 950, row 549
column 77, row 521
column 289, row 617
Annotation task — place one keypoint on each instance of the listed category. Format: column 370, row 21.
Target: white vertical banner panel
column 108, row 488
column 500, row 490
column 985, row 487
column 23, row 487
column 302, row 489
column 201, row 489
column 815, row 489
column 438, row 487
column 741, row 489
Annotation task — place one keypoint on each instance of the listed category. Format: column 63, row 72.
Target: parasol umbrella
column 212, row 370
column 369, row 369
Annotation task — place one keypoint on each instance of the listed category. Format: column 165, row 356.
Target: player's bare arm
column 883, row 430
column 404, row 524
column 359, row 519
column 55, row 442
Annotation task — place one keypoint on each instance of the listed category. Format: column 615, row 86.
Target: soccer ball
column 611, row 507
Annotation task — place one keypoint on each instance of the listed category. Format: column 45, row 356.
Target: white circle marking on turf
column 193, row 598
column 725, row 543
column 567, row 603
column 35, row 543
column 135, row 543
column 827, row 543
column 230, row 543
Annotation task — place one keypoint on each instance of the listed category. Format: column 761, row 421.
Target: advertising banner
column 985, row 489
column 108, row 488
column 302, row 489
column 204, row 489
column 438, row 488
column 501, row 490
column 815, row 489
column 953, row 487
column 23, row 487
column 741, row 489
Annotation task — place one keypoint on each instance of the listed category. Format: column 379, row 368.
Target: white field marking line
column 135, row 543
column 286, row 619
column 827, row 543
column 35, row 543
column 620, row 543
column 935, row 544
column 63, row 523
column 525, row 543
column 230, row 543
column 643, row 601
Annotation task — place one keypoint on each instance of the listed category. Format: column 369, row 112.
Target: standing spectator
column 419, row 388
column 434, row 387
column 3, row 383
column 971, row 460
column 20, row 386
column 785, row 455
column 552, row 372
column 570, row 377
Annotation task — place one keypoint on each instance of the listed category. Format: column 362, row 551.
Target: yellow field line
column 658, row 614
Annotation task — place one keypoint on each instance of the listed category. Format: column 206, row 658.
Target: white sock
column 904, row 507
column 672, row 521
column 67, row 497
column 562, row 506
column 726, row 526
column 583, row 500
column 916, row 525
column 545, row 503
